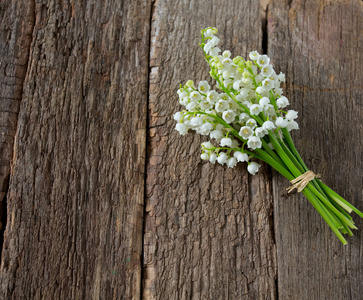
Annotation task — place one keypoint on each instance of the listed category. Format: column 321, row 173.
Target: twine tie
column 302, row 181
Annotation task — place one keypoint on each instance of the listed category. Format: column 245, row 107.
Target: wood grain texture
column 208, row 231
column 75, row 202
column 95, row 90
column 319, row 45
column 16, row 28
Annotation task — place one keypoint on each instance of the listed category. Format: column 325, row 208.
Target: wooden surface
column 324, row 43
column 16, row 28
column 75, row 201
column 208, row 229
column 107, row 201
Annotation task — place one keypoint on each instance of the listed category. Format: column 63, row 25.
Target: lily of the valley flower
column 244, row 119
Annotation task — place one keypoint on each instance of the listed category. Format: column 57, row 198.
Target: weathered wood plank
column 208, row 232
column 319, row 45
column 16, row 27
column 75, row 202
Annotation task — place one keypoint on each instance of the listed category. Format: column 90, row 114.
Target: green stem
column 271, row 152
column 327, row 216
column 331, row 207
column 340, row 200
column 318, row 206
column 291, row 156
column 273, row 163
column 336, row 199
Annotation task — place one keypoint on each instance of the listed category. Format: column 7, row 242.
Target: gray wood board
column 75, row 202
column 208, row 232
column 16, row 28
column 319, row 45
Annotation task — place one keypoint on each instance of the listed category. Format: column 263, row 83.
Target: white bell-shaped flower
column 182, row 128
column 291, row 115
column 253, row 167
column 282, row 102
column 245, row 132
column 254, row 142
column 229, row 116
column 226, row 142
column 231, row 162
column 222, row 158
column 241, row 157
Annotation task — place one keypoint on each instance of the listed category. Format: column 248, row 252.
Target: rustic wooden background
column 102, row 199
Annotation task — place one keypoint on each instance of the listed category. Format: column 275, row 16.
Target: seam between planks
column 147, row 156
column 264, row 46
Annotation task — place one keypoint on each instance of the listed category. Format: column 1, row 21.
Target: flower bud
column 189, row 83
column 245, row 74
column 216, row 59
column 240, row 69
column 237, row 59
column 220, row 66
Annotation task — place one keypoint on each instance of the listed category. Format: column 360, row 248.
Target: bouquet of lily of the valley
column 247, row 119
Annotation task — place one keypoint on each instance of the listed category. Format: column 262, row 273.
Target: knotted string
column 302, row 181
